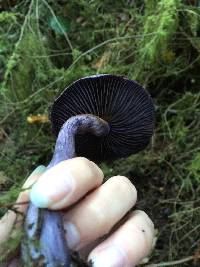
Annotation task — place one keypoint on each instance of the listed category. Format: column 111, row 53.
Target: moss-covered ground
column 46, row 44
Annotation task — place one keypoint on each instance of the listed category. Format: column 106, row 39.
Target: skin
column 95, row 213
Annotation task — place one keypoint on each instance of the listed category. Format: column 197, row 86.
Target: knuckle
column 98, row 214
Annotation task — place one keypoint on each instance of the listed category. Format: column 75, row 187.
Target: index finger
column 66, row 183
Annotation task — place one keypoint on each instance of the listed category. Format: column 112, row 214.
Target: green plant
column 46, row 45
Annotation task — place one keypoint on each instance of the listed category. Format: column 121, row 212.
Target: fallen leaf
column 102, row 61
column 37, row 118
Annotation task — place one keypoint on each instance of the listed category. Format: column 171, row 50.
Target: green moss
column 160, row 26
column 7, row 17
column 27, row 68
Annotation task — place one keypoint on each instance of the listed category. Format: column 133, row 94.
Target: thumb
column 9, row 219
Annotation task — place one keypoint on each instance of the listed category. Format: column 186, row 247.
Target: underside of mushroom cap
column 123, row 103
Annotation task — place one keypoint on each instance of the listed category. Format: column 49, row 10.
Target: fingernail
column 31, row 179
column 72, row 235
column 110, row 257
column 97, row 169
column 40, row 169
column 52, row 189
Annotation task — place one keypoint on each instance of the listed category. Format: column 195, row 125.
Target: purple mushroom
column 100, row 117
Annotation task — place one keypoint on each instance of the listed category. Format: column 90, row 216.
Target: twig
column 172, row 263
column 77, row 59
column 115, row 39
column 36, row 93
column 188, row 233
column 13, row 204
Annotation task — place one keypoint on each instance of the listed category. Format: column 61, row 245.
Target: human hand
column 93, row 212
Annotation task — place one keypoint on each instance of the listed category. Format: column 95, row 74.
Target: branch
column 172, row 263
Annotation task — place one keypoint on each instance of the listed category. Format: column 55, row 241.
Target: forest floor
column 46, row 45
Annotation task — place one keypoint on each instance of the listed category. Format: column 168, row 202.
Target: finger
column 95, row 215
column 66, row 183
column 128, row 245
column 6, row 224
column 8, row 220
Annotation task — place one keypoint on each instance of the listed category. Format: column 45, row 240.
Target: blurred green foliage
column 46, row 45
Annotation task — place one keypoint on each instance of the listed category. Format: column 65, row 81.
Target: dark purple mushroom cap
column 123, row 103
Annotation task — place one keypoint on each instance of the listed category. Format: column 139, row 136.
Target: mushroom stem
column 45, row 226
column 65, row 144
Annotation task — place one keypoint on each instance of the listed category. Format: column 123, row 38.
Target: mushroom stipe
column 99, row 117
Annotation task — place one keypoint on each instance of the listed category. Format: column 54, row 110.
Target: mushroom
column 100, row 117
